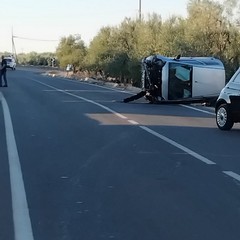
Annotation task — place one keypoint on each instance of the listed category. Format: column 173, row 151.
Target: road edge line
column 21, row 217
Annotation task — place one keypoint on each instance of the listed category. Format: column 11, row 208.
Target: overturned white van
column 181, row 79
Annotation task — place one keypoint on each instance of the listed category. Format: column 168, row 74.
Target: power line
column 35, row 39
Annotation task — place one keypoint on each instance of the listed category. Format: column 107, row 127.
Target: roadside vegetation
column 211, row 28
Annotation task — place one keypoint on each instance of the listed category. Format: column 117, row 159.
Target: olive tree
column 71, row 50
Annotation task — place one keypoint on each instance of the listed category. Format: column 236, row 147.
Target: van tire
column 223, row 117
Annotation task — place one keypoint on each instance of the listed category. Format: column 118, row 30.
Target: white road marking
column 177, row 145
column 232, row 174
column 129, row 92
column 80, row 101
column 69, row 90
column 168, row 140
column 196, row 109
column 121, row 116
column 73, row 101
column 82, row 98
column 133, row 122
column 97, row 85
column 21, row 218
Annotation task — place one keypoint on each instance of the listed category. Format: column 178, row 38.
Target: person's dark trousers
column 4, row 77
column 134, row 97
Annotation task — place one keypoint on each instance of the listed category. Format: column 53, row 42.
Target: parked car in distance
column 11, row 63
column 227, row 106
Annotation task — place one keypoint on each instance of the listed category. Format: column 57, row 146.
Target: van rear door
column 207, row 81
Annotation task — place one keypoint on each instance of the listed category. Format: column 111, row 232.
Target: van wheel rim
column 221, row 117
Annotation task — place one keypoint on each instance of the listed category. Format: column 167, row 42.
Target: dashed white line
column 120, row 115
column 177, row 145
column 184, row 149
column 21, row 218
column 133, row 122
column 82, row 98
column 232, row 174
column 69, row 90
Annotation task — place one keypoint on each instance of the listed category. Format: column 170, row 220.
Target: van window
column 180, row 81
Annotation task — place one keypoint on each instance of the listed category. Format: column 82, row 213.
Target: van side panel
column 207, row 81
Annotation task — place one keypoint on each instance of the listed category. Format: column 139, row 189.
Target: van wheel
column 224, row 118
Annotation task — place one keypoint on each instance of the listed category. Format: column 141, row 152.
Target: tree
column 173, row 37
column 207, row 33
column 36, row 59
column 71, row 50
column 208, row 30
column 101, row 50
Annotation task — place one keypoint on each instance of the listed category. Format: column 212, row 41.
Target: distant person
column 3, row 74
column 68, row 68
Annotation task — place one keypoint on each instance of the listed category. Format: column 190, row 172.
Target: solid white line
column 21, row 218
column 232, row 174
column 177, row 145
column 196, row 109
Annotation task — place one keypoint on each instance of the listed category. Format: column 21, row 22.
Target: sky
column 44, row 22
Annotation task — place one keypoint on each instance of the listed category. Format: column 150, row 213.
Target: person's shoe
column 5, row 85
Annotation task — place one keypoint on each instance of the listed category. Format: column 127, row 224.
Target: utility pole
column 140, row 10
column 13, row 47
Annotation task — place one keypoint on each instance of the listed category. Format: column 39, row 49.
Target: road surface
column 78, row 164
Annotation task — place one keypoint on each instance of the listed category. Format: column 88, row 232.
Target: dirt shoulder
column 98, row 80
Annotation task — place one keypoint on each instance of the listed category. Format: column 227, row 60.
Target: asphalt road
column 78, row 164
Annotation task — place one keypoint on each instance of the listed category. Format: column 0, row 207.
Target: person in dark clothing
column 3, row 73
column 151, row 80
column 156, row 78
column 135, row 97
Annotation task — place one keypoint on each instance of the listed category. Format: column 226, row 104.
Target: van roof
column 197, row 61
